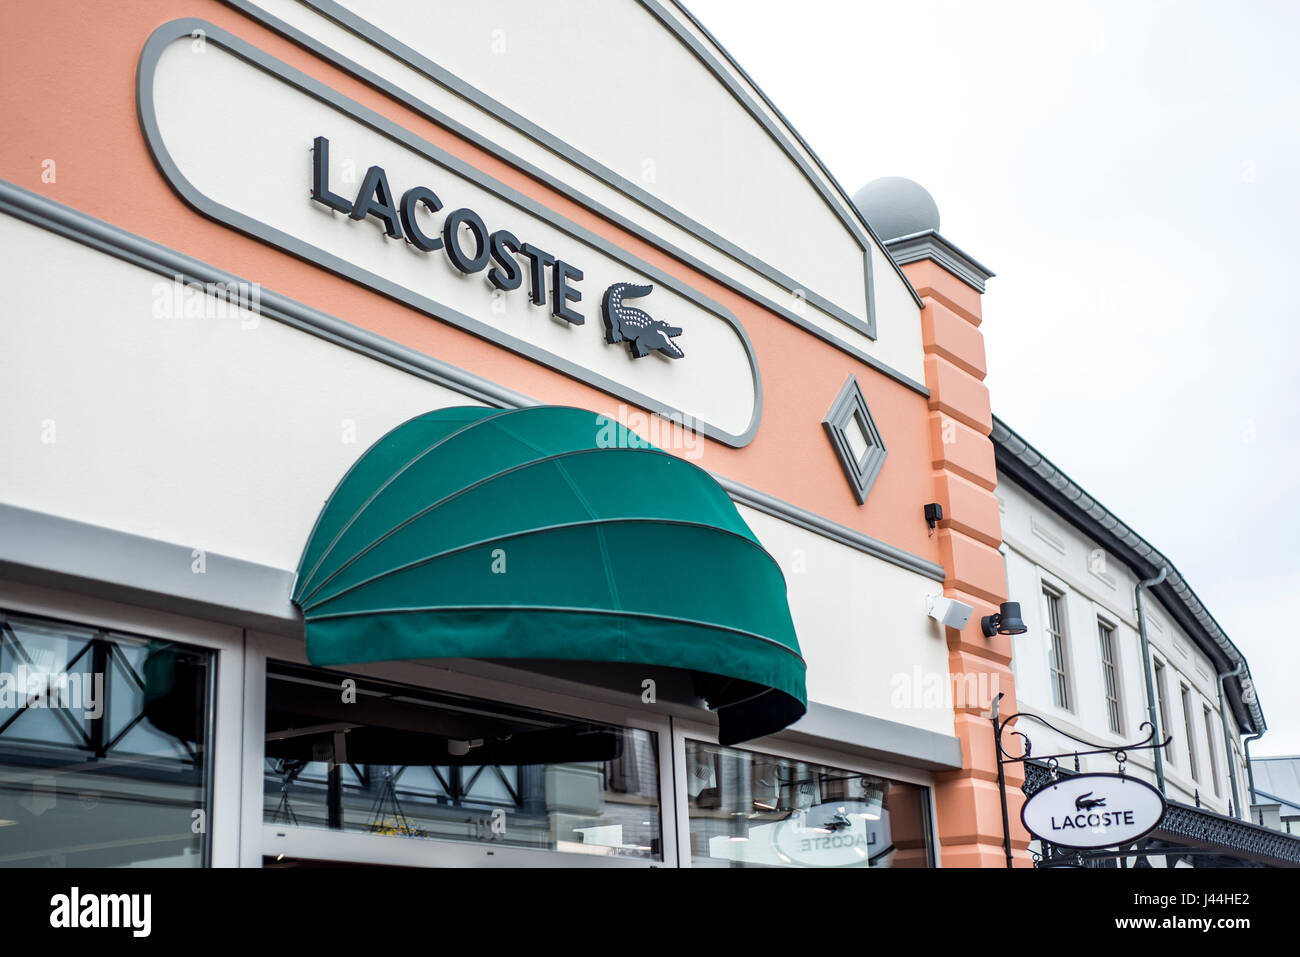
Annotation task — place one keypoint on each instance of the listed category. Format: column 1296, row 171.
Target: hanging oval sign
column 1093, row 810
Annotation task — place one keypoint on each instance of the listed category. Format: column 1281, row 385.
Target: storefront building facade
column 1121, row 651
column 411, row 425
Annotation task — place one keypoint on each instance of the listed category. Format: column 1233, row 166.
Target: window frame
column 1112, row 685
column 1161, row 683
column 1210, row 748
column 782, row 748
column 224, row 710
column 481, row 680
column 1058, row 645
column 1189, row 728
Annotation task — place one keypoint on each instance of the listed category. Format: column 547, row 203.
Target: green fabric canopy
column 550, row 533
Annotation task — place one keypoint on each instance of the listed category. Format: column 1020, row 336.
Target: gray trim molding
column 1030, row 469
column 851, row 405
column 843, row 534
column 114, row 241
column 57, row 552
column 117, row 242
column 175, row 30
column 450, row 82
column 930, row 245
column 878, row 737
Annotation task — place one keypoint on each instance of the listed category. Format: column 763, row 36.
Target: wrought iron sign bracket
column 1005, row 757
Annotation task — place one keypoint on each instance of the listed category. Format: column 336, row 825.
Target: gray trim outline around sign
column 170, row 32
column 364, row 29
column 506, row 116
column 80, row 227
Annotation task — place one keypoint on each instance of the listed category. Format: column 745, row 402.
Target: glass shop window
column 104, row 747
column 404, row 761
column 749, row 809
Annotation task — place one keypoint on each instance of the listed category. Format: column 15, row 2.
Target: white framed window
column 1210, row 745
column 168, row 793
column 773, row 802
column 1190, row 730
column 401, row 761
column 1110, row 676
column 1057, row 655
column 1162, row 705
column 585, row 804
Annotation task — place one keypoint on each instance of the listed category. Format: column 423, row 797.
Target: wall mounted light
column 933, row 515
column 1005, row 622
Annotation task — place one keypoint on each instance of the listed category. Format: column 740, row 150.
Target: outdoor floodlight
column 1005, row 622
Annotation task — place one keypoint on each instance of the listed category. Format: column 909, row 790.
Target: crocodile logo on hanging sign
column 636, row 327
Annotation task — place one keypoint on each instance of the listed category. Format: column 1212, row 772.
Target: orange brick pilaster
column 964, row 476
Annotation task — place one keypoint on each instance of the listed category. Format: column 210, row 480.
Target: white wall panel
column 224, row 433
column 862, row 626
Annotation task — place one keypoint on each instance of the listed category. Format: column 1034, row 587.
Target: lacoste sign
column 512, row 256
column 1093, row 810
column 471, row 247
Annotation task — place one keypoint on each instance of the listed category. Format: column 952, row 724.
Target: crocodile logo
column 624, row 323
column 1085, row 803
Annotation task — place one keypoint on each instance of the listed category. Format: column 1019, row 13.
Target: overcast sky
column 1129, row 171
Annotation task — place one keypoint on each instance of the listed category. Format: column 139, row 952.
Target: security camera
column 949, row 611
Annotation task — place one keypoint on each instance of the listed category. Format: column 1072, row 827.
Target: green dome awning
column 550, row 533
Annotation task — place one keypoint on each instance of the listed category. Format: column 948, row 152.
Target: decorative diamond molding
column 857, row 441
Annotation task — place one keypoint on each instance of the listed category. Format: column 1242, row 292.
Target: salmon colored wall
column 969, row 806
column 68, row 95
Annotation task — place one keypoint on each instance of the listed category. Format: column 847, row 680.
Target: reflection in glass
column 410, row 762
column 752, row 810
column 103, row 748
